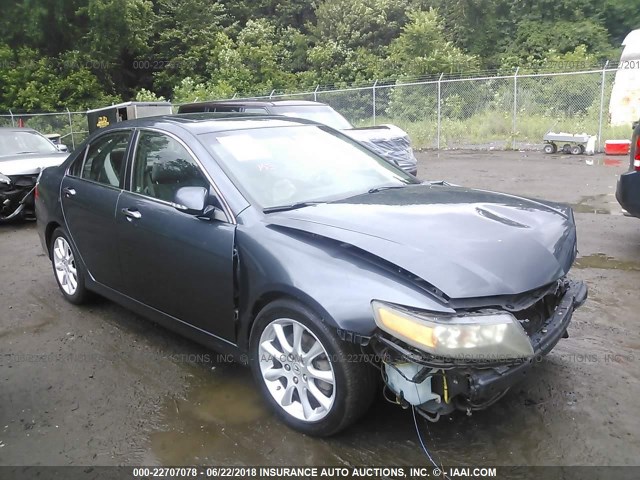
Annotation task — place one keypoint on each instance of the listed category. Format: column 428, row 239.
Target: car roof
column 199, row 123
column 131, row 104
column 17, row 129
column 257, row 103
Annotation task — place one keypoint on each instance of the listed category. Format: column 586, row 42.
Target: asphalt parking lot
column 98, row 385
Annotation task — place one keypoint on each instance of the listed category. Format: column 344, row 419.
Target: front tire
column 67, row 270
column 316, row 383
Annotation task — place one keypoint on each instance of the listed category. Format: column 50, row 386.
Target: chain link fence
column 491, row 112
column 71, row 126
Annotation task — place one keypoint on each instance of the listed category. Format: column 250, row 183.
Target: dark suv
column 628, row 191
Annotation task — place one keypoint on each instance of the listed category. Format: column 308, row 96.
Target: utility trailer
column 574, row 144
column 105, row 116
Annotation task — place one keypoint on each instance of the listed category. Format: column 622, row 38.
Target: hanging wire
column 415, row 419
column 424, row 447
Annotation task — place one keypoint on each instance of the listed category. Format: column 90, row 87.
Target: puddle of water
column 582, row 208
column 612, row 162
column 601, row 260
column 608, row 162
column 592, row 204
column 222, row 420
column 230, row 398
column 211, row 424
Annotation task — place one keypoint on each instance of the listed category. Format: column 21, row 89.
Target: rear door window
column 106, row 158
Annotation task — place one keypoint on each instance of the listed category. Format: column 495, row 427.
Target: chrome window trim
column 129, row 188
column 147, row 197
column 93, row 182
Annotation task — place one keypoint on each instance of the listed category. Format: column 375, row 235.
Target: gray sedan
column 298, row 251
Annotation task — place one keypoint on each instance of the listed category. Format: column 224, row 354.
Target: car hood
column 467, row 243
column 388, row 141
column 29, row 163
column 379, row 132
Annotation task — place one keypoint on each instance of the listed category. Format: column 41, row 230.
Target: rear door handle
column 69, row 192
column 134, row 214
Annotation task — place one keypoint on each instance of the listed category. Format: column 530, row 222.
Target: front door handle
column 133, row 214
column 69, row 192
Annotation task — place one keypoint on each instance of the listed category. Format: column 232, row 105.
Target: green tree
column 187, row 33
column 533, row 39
column 422, row 48
column 189, row 91
column 370, row 24
column 32, row 82
column 262, row 59
column 333, row 63
column 50, row 26
column 619, row 18
column 284, row 13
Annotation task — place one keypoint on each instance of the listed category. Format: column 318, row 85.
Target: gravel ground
column 98, row 385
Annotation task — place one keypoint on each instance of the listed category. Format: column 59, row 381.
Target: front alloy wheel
column 296, row 370
column 315, row 382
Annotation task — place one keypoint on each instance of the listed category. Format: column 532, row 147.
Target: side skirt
column 171, row 323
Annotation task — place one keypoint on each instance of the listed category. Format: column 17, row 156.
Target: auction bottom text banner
column 310, row 472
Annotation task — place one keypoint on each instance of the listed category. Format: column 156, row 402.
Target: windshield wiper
column 385, row 187
column 293, row 206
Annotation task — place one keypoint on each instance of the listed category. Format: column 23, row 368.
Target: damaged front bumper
column 437, row 385
column 16, row 198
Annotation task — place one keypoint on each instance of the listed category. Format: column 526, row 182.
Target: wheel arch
column 271, row 296
column 48, row 233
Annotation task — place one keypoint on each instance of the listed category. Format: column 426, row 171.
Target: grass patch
column 495, row 129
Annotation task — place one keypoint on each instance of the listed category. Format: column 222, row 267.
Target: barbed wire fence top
column 439, row 112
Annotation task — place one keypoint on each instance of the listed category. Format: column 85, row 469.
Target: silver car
column 23, row 154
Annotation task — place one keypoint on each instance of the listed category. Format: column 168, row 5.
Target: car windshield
column 14, row 142
column 281, row 166
column 318, row 113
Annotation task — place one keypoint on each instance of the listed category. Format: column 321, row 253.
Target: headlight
column 5, row 179
column 492, row 336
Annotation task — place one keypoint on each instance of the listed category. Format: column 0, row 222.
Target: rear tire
column 576, row 150
column 67, row 270
column 315, row 382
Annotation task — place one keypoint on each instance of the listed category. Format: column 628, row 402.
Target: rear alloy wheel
column 308, row 375
column 67, row 270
